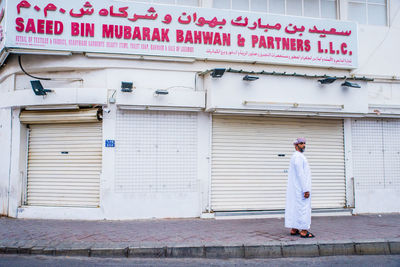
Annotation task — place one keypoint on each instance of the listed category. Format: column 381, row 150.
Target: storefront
column 134, row 110
column 64, row 158
column 251, row 157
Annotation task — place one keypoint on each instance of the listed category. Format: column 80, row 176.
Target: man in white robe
column 298, row 200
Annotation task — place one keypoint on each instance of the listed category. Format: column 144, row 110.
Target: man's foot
column 294, row 231
column 306, row 234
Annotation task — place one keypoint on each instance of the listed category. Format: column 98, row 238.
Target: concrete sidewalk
column 245, row 238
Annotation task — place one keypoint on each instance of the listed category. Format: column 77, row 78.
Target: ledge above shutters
column 59, row 116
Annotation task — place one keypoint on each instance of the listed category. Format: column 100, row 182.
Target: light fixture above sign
column 38, row 89
column 126, row 87
column 327, row 80
column 161, row 92
column 217, row 73
column 349, row 84
column 250, row 78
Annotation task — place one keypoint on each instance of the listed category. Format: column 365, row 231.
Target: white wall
column 278, row 93
column 384, row 99
column 5, row 144
column 377, row 201
column 348, row 157
column 378, row 47
column 17, row 168
column 179, row 79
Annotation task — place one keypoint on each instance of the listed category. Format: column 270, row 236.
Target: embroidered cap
column 299, row 140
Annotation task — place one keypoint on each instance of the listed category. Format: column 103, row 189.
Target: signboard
column 147, row 29
column 2, row 31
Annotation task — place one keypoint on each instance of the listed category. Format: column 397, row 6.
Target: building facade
column 172, row 109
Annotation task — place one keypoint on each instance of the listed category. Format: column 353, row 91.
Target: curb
column 224, row 252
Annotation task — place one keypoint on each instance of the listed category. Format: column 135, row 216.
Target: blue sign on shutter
column 110, row 143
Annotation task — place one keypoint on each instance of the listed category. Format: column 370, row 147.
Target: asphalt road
column 33, row 261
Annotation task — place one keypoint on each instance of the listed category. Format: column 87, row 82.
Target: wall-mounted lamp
column 161, row 92
column 250, row 78
column 217, row 73
column 126, row 87
column 38, row 89
column 349, row 84
column 327, row 80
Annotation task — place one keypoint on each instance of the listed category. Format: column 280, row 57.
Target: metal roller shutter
column 250, row 160
column 376, row 154
column 64, row 165
column 59, row 116
column 156, row 152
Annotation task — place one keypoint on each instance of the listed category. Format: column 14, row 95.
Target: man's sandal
column 297, row 232
column 307, row 235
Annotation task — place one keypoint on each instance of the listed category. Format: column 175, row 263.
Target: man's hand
column 306, row 194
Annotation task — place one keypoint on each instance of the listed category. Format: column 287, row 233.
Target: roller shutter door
column 59, row 116
column 64, row 164
column 376, row 154
column 251, row 155
column 156, row 152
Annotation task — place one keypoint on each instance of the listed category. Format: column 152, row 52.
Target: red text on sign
column 40, row 26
